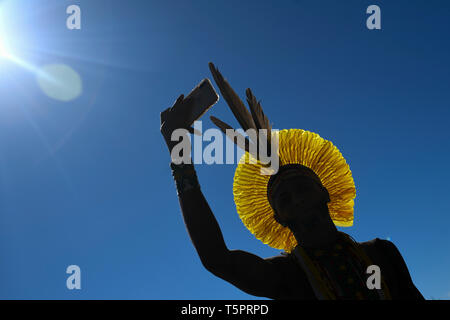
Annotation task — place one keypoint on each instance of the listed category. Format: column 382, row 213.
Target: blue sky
column 87, row 182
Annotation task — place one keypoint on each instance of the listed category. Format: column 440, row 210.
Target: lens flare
column 60, row 82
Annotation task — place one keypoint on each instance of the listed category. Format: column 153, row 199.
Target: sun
column 4, row 47
column 3, row 51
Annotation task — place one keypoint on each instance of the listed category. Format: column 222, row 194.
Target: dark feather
column 260, row 119
column 255, row 119
column 234, row 102
column 238, row 137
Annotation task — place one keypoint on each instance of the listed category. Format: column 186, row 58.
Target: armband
column 185, row 177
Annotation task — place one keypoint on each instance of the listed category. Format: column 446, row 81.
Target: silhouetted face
column 299, row 198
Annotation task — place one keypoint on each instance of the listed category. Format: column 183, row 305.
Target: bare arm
column 246, row 271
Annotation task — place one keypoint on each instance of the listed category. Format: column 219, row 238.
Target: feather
column 237, row 139
column 234, row 102
column 255, row 119
column 260, row 119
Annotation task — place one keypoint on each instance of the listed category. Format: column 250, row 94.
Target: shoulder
column 402, row 279
column 373, row 242
column 383, row 249
column 281, row 260
column 296, row 284
column 384, row 246
column 281, row 257
column 381, row 245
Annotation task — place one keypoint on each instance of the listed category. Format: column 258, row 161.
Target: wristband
column 185, row 177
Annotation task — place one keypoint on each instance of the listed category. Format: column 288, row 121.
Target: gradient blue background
column 88, row 182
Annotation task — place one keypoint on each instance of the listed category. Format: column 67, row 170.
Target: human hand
column 175, row 117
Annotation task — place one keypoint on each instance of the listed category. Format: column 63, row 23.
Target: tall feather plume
column 241, row 141
column 260, row 119
column 255, row 119
column 234, row 102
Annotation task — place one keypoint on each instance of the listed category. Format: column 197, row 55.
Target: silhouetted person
column 299, row 202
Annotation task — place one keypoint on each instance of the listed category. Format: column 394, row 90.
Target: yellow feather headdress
column 295, row 146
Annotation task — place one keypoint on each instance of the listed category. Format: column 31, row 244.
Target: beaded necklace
column 339, row 271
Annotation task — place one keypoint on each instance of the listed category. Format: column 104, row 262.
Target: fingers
column 178, row 102
column 165, row 113
column 177, row 116
column 163, row 116
column 181, row 104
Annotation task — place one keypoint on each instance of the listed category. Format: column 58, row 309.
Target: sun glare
column 3, row 50
column 57, row 81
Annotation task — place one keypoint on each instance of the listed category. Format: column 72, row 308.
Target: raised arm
column 246, row 271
